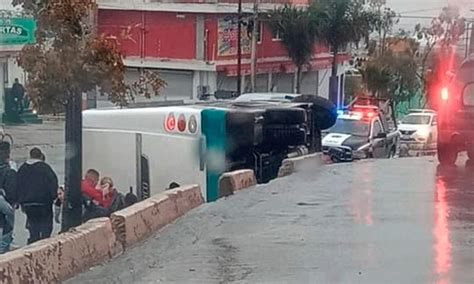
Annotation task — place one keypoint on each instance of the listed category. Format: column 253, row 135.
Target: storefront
column 15, row 32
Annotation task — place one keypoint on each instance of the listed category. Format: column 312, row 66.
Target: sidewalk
column 51, row 117
column 48, row 136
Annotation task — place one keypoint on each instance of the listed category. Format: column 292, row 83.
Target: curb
column 290, row 166
column 52, row 117
column 231, row 182
column 58, row 258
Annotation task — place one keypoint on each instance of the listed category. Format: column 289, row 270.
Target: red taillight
column 444, row 94
column 170, row 122
column 182, row 123
column 364, row 114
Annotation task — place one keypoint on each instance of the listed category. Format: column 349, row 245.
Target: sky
column 411, row 9
column 5, row 4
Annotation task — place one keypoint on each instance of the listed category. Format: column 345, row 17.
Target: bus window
column 145, row 178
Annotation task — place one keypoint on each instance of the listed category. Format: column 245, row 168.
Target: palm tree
column 297, row 31
column 342, row 22
column 377, row 78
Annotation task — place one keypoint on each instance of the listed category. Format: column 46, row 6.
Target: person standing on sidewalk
column 37, row 189
column 18, row 92
column 8, row 197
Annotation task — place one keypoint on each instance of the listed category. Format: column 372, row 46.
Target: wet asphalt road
column 385, row 221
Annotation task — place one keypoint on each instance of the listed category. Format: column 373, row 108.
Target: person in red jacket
column 90, row 190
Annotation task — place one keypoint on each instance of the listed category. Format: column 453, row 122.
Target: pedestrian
column 115, row 200
column 94, row 198
column 58, row 203
column 8, row 197
column 130, row 198
column 37, row 189
column 173, row 185
column 90, row 190
column 18, row 93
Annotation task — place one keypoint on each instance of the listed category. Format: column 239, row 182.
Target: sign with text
column 227, row 37
column 17, row 31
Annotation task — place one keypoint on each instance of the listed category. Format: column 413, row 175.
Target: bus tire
column 325, row 112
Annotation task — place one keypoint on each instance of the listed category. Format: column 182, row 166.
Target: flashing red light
column 444, row 94
column 364, row 114
column 182, row 123
column 170, row 122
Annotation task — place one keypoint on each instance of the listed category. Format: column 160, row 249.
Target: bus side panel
column 173, row 158
column 113, row 154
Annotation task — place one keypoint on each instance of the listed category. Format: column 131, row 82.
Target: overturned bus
column 146, row 149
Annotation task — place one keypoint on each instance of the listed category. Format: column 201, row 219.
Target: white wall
column 2, row 84
column 179, row 85
column 309, row 83
column 323, row 88
column 14, row 71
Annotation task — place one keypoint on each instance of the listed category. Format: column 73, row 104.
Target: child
column 57, row 205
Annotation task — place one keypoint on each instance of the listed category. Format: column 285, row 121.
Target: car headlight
column 423, row 133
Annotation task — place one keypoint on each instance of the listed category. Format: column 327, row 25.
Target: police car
column 362, row 131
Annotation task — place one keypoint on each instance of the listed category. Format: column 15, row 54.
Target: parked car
column 419, row 132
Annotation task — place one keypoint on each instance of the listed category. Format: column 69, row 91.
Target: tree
column 377, row 78
column 436, row 53
column 68, row 60
column 385, row 21
column 297, row 30
column 392, row 75
column 342, row 22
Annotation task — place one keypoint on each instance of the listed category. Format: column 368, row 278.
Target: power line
column 421, row 10
column 417, row 17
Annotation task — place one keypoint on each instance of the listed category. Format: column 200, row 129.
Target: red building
column 192, row 43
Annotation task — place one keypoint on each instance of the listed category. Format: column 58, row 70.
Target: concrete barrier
column 235, row 181
column 58, row 258
column 290, row 166
column 142, row 219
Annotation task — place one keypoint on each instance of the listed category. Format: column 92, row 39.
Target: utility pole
column 72, row 209
column 239, row 49
column 255, row 31
column 471, row 40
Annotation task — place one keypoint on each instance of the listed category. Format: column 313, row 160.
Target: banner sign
column 227, row 37
column 17, row 31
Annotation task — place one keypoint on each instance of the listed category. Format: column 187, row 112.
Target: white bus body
column 145, row 149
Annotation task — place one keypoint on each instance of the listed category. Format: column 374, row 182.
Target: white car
column 419, row 131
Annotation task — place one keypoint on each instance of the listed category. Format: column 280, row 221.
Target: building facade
column 193, row 44
column 15, row 32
